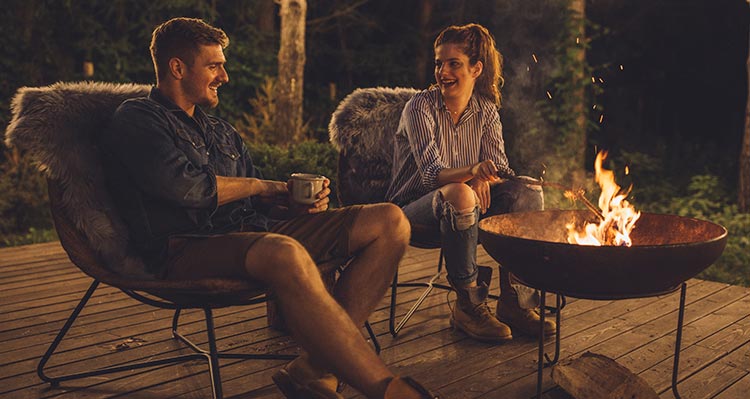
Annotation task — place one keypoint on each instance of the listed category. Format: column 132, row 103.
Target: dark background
column 676, row 108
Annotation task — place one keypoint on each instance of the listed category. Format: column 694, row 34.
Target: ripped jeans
column 459, row 228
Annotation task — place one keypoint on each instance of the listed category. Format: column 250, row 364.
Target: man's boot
column 518, row 310
column 472, row 315
column 407, row 388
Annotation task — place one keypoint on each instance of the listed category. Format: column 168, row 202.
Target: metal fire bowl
column 667, row 250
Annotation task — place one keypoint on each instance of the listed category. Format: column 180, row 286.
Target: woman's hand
column 482, row 188
column 485, row 171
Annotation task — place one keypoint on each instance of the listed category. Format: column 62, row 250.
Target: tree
column 744, row 183
column 578, row 8
column 288, row 118
column 424, row 50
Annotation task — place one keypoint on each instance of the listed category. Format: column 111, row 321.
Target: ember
column 617, row 216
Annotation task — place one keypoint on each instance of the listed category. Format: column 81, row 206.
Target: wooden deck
column 39, row 287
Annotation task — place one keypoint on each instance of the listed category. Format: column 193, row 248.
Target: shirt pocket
column 225, row 142
column 190, row 138
column 192, row 145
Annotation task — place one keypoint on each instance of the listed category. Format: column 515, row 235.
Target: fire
column 618, row 217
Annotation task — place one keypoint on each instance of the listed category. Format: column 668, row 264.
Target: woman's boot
column 473, row 316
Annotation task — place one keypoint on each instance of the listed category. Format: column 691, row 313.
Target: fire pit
column 667, row 250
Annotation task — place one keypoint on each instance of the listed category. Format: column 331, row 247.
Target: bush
column 278, row 163
column 24, row 207
column 705, row 197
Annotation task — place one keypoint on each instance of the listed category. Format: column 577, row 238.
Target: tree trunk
column 266, row 16
column 424, row 50
column 579, row 142
column 744, row 183
column 346, row 55
column 288, row 118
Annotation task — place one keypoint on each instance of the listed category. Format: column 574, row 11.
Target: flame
column 619, row 216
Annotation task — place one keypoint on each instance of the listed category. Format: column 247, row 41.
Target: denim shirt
column 161, row 167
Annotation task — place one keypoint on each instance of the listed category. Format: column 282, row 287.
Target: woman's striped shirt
column 427, row 141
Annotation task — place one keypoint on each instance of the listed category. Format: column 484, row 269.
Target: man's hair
column 181, row 38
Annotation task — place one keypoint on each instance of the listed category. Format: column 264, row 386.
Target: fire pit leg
column 557, row 309
column 680, row 319
column 541, row 364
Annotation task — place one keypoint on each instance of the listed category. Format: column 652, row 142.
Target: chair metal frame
column 73, row 242
column 211, row 356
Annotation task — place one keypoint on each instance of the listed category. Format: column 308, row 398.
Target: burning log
column 616, row 217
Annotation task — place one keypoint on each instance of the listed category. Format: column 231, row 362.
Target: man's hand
column 320, row 205
column 482, row 188
column 485, row 171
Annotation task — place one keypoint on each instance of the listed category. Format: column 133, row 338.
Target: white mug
column 305, row 186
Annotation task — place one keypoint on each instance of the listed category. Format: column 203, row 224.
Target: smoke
column 530, row 35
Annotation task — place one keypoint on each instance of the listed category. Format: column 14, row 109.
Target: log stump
column 595, row 376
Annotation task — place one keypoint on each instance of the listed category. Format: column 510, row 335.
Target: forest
column 660, row 84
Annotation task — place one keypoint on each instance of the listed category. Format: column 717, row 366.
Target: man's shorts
column 325, row 235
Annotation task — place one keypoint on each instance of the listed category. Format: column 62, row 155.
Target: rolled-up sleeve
column 493, row 146
column 144, row 143
column 419, row 127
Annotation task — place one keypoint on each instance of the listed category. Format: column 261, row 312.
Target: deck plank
column 39, row 287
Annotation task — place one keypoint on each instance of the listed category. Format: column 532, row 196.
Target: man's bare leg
column 316, row 321
column 379, row 237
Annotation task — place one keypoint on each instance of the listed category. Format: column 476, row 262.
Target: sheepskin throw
column 58, row 127
column 362, row 128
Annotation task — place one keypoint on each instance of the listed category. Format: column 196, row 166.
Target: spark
column 621, row 67
column 593, row 79
column 534, row 57
column 594, row 107
column 549, row 95
column 601, row 118
column 578, row 39
column 601, row 80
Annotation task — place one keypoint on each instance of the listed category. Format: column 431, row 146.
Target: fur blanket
column 57, row 126
column 362, row 129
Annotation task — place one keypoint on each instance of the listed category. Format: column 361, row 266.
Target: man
column 196, row 207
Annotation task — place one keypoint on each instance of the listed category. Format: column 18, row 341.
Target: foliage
column 705, row 197
column 278, row 163
column 258, row 126
column 32, row 236
column 24, row 208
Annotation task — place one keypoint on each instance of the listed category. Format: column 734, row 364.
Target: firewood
column 595, row 376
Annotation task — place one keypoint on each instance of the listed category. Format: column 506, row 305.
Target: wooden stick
column 575, row 194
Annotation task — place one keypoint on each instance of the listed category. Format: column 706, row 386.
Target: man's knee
column 389, row 221
column 278, row 259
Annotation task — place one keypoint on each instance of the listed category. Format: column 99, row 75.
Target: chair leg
column 212, row 355
column 373, row 338
column 213, row 360
column 55, row 381
column 430, row 284
column 64, row 330
column 392, row 316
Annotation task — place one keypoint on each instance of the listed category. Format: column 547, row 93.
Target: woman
column 448, row 154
